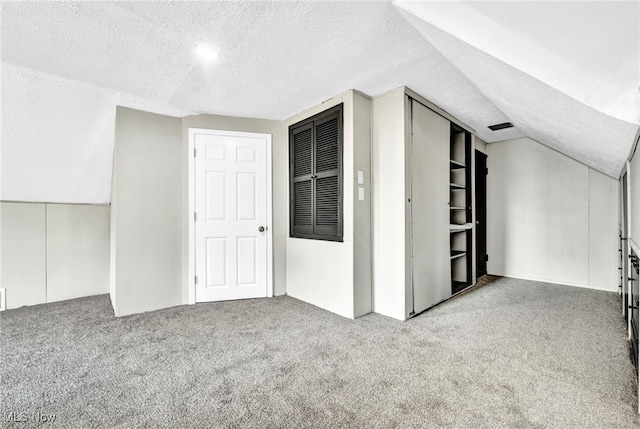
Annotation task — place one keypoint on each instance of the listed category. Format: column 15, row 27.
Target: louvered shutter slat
column 327, row 162
column 327, row 146
column 302, row 149
column 327, row 201
column 302, row 187
column 302, row 203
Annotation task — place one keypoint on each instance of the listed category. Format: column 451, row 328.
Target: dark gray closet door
column 430, row 207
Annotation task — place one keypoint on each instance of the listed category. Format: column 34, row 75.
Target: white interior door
column 231, row 215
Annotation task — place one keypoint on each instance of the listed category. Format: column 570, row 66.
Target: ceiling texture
column 567, row 74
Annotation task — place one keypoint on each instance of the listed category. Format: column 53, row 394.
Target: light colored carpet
column 511, row 354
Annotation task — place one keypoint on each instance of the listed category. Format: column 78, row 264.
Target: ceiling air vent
column 501, row 126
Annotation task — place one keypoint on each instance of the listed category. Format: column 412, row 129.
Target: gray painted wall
column 362, row 251
column 149, row 218
column 147, row 212
column 53, row 252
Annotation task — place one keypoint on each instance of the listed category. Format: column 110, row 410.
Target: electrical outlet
column 3, row 299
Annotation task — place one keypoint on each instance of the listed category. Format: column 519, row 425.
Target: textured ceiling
column 276, row 58
column 568, row 108
column 565, row 73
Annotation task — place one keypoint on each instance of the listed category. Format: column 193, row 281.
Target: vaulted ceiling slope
column 565, row 74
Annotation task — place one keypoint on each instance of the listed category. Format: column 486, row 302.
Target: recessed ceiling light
column 500, row 126
column 206, row 53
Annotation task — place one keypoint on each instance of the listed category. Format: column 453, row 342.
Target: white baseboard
column 583, row 286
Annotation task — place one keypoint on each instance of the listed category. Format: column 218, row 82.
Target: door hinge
column 194, row 152
column 196, row 279
column 486, row 171
column 195, row 216
column 486, row 258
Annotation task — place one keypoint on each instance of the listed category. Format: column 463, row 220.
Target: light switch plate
column 360, row 177
column 361, row 193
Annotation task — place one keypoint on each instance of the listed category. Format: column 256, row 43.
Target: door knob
column 261, row 228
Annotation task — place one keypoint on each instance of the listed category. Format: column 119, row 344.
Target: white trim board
column 269, row 224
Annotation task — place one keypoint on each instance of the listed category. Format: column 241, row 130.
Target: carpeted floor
column 510, row 354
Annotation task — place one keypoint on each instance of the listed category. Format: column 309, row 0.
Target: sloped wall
column 550, row 218
column 57, row 137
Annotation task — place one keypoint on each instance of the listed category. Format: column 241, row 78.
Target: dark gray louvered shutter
column 301, row 165
column 327, row 171
column 316, row 176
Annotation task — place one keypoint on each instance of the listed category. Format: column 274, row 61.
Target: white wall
column 550, row 218
column 53, row 252
column 323, row 273
column 389, row 204
column 280, row 180
column 147, row 212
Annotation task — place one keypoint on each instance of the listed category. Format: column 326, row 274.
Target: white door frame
column 192, row 204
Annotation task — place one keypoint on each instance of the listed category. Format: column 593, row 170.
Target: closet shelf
column 456, row 164
column 457, row 208
column 457, row 254
column 456, row 186
column 459, row 228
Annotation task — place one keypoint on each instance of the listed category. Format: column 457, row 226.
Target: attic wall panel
column 77, row 251
column 23, row 254
column 538, row 214
column 603, row 231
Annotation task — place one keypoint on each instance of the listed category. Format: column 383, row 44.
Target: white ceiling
column 587, row 111
column 565, row 73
